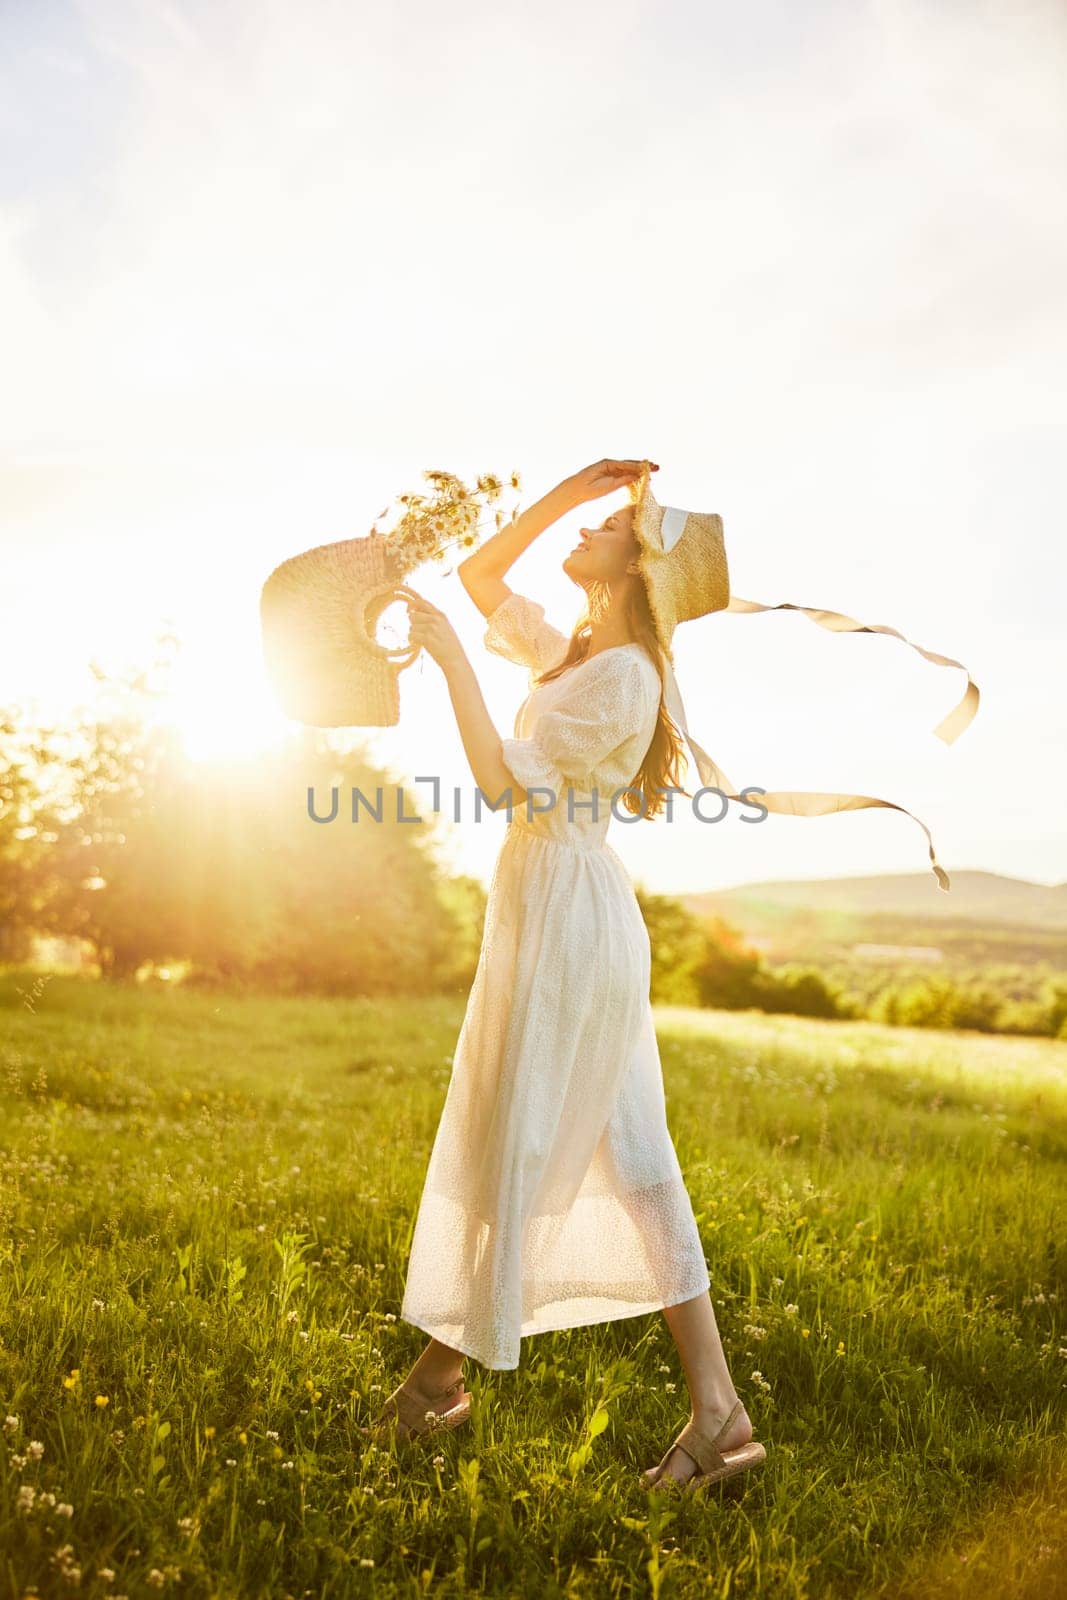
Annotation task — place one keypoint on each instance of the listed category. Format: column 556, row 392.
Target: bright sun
column 219, row 714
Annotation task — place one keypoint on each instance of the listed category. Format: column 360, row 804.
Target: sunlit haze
column 263, row 264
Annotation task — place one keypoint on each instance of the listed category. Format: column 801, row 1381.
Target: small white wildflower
column 156, row 1578
column 67, row 1510
column 230, row 1462
column 10, row 1424
column 438, row 1461
column 366, row 1561
column 26, row 1496
column 390, row 1316
column 107, row 1573
column 669, row 1387
column 272, row 1433
column 791, row 1309
column 287, row 1466
column 35, row 1449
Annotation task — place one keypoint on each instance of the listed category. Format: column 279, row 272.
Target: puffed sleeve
column 517, row 630
column 611, row 700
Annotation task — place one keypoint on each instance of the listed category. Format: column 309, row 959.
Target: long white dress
column 553, row 1196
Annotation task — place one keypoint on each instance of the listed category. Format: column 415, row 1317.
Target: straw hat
column 682, row 560
column 683, row 563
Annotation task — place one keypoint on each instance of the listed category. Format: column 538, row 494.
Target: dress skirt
column 553, row 1196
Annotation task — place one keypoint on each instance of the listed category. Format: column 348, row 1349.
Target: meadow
column 206, row 1206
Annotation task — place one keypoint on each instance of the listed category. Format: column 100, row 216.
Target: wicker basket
column 318, row 613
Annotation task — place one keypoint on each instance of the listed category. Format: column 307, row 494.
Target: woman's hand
column 431, row 629
column 602, row 477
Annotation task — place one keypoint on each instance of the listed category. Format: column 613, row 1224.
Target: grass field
column 207, row 1203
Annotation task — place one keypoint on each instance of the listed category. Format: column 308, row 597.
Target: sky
column 262, row 265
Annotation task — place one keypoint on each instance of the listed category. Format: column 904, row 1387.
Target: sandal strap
column 703, row 1449
column 412, row 1408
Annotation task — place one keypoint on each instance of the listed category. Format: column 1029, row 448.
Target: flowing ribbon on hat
column 949, row 728
column 812, row 803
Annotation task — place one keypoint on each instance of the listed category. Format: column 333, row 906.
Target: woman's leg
column 711, row 1390
column 436, row 1369
column 696, row 1333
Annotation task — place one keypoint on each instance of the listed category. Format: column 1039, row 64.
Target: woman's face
column 604, row 552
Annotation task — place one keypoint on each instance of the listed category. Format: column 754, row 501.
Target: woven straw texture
column 690, row 579
column 318, row 612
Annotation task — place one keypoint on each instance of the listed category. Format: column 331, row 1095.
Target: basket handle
column 372, row 604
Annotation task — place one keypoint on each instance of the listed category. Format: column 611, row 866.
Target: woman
column 553, row 1196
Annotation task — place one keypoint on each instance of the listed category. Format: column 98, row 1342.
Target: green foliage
column 802, row 991
column 677, row 942
column 206, row 1203
column 157, row 860
column 29, row 819
column 728, row 973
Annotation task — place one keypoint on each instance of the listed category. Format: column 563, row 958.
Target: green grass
column 206, row 1209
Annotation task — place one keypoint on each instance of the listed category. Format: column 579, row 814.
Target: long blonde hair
column 661, row 766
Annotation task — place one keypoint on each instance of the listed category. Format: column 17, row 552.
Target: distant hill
column 985, row 920
column 984, row 897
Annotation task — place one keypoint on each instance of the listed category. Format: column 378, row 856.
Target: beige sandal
column 412, row 1415
column 713, row 1464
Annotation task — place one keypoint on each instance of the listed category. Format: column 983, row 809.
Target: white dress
column 553, row 1196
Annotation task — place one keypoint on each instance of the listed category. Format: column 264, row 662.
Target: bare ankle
column 431, row 1382
column 714, row 1404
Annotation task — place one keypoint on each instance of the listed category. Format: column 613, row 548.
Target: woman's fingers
column 415, row 601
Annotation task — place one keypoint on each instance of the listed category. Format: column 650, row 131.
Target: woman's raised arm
column 482, row 572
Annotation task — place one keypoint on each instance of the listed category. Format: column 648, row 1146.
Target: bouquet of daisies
column 447, row 518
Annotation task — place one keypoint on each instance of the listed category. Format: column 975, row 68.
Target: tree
column 677, row 942
column 29, row 760
column 727, row 973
